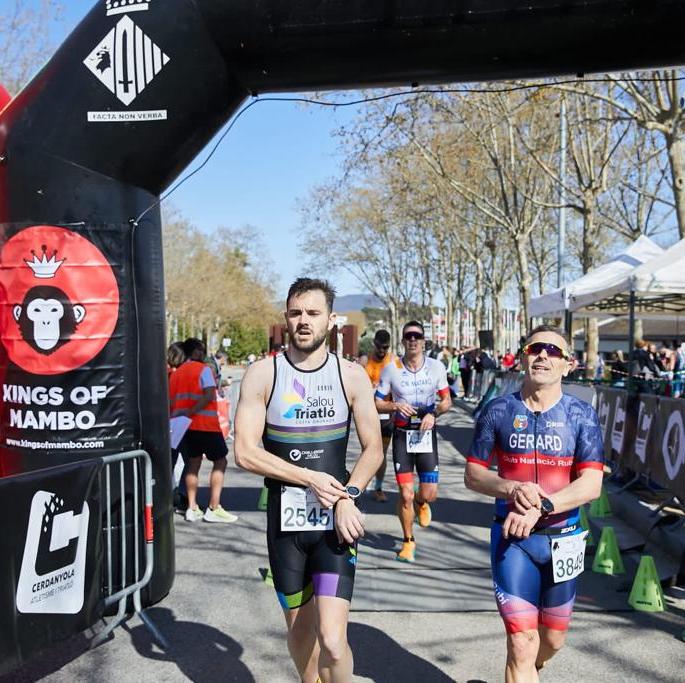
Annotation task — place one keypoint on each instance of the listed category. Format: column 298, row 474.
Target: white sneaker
column 193, row 515
column 218, row 514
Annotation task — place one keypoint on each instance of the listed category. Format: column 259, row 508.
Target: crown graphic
column 44, row 267
column 124, row 6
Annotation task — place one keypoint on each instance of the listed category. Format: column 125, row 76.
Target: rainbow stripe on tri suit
column 309, row 434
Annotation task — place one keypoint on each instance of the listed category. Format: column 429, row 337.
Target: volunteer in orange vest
column 192, row 392
column 374, row 363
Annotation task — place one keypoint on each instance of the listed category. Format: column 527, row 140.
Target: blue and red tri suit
column 550, row 448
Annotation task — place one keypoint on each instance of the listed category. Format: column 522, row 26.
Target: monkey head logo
column 61, row 305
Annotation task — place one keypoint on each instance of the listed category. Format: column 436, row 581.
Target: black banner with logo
column 50, row 558
column 65, row 341
column 646, row 434
column 611, row 423
column 668, row 452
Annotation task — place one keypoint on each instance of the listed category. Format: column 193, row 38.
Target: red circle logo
column 60, row 300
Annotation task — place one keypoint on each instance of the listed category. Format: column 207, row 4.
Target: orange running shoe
column 380, row 496
column 423, row 514
column 407, row 553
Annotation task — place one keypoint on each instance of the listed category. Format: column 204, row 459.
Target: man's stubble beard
column 312, row 346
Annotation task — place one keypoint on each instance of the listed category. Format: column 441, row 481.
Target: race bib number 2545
column 301, row 511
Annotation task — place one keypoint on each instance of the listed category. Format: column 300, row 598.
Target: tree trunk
column 394, row 331
column 479, row 296
column 520, row 249
column 676, row 159
column 498, row 327
column 460, row 305
column 592, row 347
column 589, row 259
column 449, row 317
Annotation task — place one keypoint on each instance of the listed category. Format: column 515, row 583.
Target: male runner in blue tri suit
column 549, row 452
column 292, row 426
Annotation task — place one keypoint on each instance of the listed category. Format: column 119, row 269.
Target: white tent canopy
column 658, row 284
column 556, row 302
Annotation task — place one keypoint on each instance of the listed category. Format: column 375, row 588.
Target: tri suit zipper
column 535, row 444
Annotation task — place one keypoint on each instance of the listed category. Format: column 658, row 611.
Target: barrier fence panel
column 128, row 579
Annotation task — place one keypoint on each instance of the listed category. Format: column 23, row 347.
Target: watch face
column 353, row 491
column 547, row 505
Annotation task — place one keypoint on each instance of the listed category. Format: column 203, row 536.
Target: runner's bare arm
column 585, row 488
column 360, row 395
column 349, row 522
column 249, row 426
column 386, row 406
column 444, row 404
column 483, row 480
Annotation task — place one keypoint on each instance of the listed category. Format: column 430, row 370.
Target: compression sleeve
column 484, row 439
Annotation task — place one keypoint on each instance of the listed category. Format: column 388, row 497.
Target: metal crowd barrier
column 141, row 523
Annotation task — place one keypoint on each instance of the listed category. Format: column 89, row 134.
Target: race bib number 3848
column 301, row 511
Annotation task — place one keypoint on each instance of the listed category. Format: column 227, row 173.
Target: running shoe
column 218, row 514
column 407, row 553
column 379, row 495
column 423, row 514
column 193, row 515
column 180, row 502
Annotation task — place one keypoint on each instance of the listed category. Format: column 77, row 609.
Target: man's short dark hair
column 191, row 344
column 551, row 328
column 382, row 337
column 308, row 284
column 413, row 323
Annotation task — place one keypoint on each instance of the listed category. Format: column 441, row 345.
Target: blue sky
column 271, row 159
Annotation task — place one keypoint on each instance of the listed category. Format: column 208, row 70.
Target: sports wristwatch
column 353, row 492
column 546, row 507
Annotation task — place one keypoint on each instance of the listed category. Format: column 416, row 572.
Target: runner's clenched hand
column 405, row 409
column 428, row 422
column 349, row 521
column 327, row 489
column 520, row 526
column 527, row 495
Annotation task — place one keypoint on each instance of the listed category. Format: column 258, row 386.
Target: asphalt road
column 432, row 621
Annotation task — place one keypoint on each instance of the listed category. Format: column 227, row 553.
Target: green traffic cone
column 646, row 595
column 586, row 525
column 600, row 507
column 608, row 557
column 263, row 496
column 268, row 576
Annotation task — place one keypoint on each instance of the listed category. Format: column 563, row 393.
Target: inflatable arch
column 121, row 109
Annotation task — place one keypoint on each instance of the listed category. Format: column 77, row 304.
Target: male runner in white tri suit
column 299, row 405
column 408, row 389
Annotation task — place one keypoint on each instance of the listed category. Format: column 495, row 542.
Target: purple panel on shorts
column 325, row 584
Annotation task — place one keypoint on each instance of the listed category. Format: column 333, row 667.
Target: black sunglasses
column 382, row 347
column 553, row 351
column 413, row 336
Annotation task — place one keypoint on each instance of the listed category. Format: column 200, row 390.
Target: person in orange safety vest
column 192, row 393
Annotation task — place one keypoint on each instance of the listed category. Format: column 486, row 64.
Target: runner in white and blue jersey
column 415, row 390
